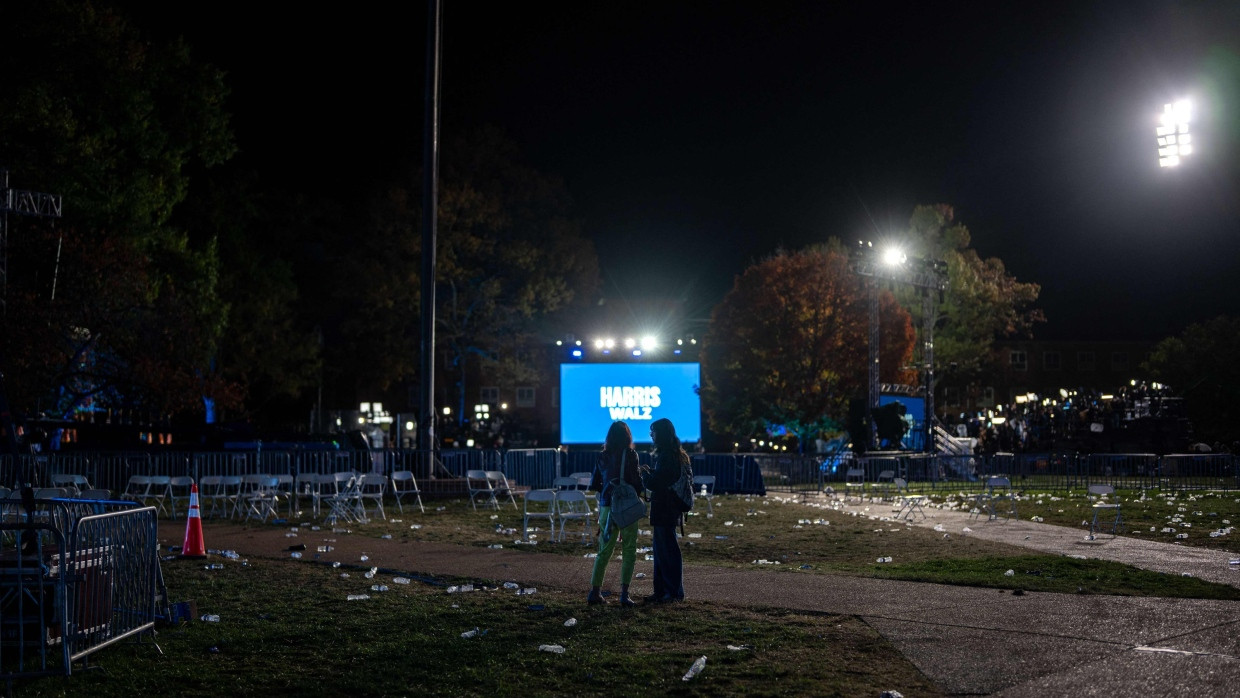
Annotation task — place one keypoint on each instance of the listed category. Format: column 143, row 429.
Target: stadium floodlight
column 649, row 342
column 609, row 343
column 598, row 344
column 893, row 256
column 629, row 342
column 1174, row 140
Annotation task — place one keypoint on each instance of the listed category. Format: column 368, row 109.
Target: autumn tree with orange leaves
column 788, row 345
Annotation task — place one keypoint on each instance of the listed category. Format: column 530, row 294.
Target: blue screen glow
column 592, row 396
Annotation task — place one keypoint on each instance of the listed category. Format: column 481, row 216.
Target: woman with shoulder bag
column 665, row 512
column 618, row 460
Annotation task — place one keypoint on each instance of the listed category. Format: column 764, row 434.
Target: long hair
column 619, row 438
column 666, row 442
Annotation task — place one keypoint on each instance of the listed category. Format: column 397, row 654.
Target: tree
column 510, row 257
column 1200, row 366
column 982, row 303
column 788, row 345
column 93, row 112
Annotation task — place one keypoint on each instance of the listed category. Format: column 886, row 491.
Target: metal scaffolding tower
column 928, row 275
column 23, row 203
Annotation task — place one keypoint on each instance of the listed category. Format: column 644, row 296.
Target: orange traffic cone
column 194, row 545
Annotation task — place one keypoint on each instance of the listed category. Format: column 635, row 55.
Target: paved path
column 969, row 641
column 1210, row 565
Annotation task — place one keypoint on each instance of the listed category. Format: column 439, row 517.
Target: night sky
column 698, row 137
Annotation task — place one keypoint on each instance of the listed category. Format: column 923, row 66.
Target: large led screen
column 592, row 396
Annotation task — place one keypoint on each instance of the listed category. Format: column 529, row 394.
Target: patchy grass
column 787, row 534
column 1207, row 519
column 286, row 629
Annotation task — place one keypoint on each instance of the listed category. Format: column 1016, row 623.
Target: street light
column 1174, row 140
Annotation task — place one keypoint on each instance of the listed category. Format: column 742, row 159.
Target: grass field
column 794, row 536
column 286, row 628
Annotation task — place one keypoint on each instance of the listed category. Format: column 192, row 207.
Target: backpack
column 683, row 488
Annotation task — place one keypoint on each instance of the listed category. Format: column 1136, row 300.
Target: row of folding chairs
column 558, row 506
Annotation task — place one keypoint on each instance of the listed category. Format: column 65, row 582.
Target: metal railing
column 751, row 473
column 75, row 576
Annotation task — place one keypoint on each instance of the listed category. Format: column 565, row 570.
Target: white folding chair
column 95, row 493
column 179, row 490
column 304, row 486
column 500, row 488
column 854, row 484
column 372, row 486
column 1103, row 504
column 137, row 488
column 284, row 488
column 998, row 490
column 572, row 505
column 704, row 488
column 910, row 505
column 74, row 483
column 539, row 504
column 565, row 483
column 158, row 493
column 344, row 504
column 883, row 483
column 479, row 485
column 403, row 485
column 262, row 498
column 251, row 485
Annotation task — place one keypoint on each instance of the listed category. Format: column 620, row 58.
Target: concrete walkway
column 969, row 641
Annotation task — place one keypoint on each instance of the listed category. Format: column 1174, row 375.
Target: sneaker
column 595, row 599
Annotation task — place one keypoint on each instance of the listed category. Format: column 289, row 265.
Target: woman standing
column 669, row 460
column 617, row 455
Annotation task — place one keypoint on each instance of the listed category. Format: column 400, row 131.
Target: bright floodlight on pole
column 1174, row 140
column 893, row 256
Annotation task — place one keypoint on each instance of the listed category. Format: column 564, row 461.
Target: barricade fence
column 747, row 473
column 75, row 576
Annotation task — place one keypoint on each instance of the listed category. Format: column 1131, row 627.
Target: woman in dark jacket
column 617, row 450
column 669, row 460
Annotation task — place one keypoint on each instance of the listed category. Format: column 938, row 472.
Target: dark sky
column 698, row 137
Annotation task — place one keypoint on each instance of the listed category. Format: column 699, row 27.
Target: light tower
column 928, row 275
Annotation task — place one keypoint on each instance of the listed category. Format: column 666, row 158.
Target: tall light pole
column 928, row 275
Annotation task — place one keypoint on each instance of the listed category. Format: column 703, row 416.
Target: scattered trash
column 695, row 535
column 642, row 575
column 370, row 574
column 570, row 622
column 590, row 556
column 939, row 528
column 378, row 587
column 511, row 585
column 891, row 694
column 214, row 566
column 470, row 633
column 1235, row 561
column 884, row 559
column 698, row 665
column 1010, row 573
column 966, row 529
column 325, row 548
column 496, row 546
column 556, row 649
column 210, row 618
column 335, row 565
column 739, row 648
column 357, row 597
column 344, row 575
column 386, row 536
column 364, row 557
column 400, row 580
column 415, row 527
column 295, row 556
column 721, row 537
column 527, row 591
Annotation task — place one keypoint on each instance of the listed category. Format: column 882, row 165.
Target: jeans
column 667, row 564
column 607, row 544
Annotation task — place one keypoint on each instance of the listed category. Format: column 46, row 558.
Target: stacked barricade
column 534, row 468
column 75, row 577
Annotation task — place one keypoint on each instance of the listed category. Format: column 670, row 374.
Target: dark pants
column 667, row 564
